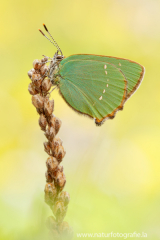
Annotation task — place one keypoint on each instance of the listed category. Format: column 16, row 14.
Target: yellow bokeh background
column 112, row 171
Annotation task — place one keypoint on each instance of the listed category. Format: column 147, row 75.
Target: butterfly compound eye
column 59, row 57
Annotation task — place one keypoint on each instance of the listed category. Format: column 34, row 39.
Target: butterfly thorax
column 53, row 71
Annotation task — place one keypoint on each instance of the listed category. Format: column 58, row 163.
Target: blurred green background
column 112, row 171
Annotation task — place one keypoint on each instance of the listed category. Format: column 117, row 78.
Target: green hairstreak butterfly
column 94, row 85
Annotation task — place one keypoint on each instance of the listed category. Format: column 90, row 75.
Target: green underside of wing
column 95, row 88
column 132, row 71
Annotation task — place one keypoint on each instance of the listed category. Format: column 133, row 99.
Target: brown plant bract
column 55, row 197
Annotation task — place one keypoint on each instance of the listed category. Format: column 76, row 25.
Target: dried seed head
column 60, row 168
column 42, row 122
column 59, row 210
column 30, row 73
column 60, row 180
column 50, row 133
column 59, row 140
column 64, row 226
column 46, row 85
column 64, row 197
column 65, row 230
column 37, row 81
column 50, row 193
column 55, row 177
column 52, row 146
column 54, row 234
column 55, row 147
column 37, row 64
column 44, row 69
column 38, row 101
column 61, row 153
column 48, row 107
column 47, row 147
column 55, row 144
column 48, row 177
column 32, row 90
column 52, row 121
column 55, row 122
column 44, row 60
column 36, row 77
column 58, row 124
column 40, row 110
column 51, row 223
column 51, row 164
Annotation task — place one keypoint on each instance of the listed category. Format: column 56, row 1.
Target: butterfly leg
column 51, row 91
column 46, row 57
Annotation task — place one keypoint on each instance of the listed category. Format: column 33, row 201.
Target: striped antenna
column 54, row 42
column 46, row 37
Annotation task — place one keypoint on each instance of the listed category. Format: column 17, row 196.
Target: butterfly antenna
column 47, row 37
column 52, row 38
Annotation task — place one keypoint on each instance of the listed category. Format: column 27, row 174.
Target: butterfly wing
column 133, row 71
column 93, row 87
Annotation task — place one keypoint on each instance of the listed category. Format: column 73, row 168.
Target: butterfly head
column 55, row 61
column 58, row 57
